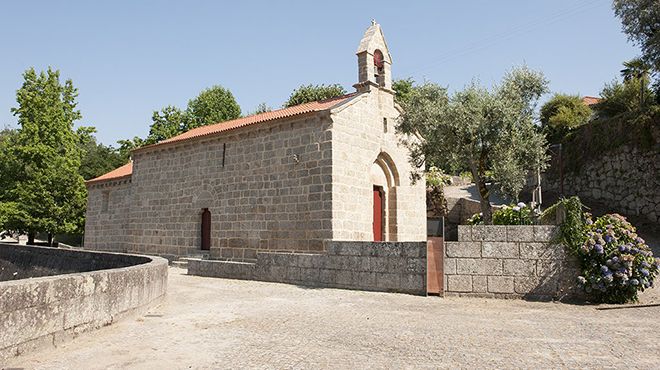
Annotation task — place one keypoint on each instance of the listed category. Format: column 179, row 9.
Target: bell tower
column 374, row 61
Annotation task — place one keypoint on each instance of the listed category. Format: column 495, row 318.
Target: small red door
column 378, row 214
column 206, row 229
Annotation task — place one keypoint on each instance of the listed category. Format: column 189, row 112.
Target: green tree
column 563, row 113
column 166, row 123
column 641, row 22
column 311, row 93
column 212, row 105
column 126, row 146
column 479, row 129
column 618, row 97
column 44, row 191
column 97, row 158
column 404, row 89
column 638, row 69
column 262, row 108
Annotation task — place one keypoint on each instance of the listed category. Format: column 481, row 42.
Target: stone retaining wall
column 386, row 266
column 509, row 261
column 46, row 311
column 625, row 179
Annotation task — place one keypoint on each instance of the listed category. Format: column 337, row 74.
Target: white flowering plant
column 518, row 214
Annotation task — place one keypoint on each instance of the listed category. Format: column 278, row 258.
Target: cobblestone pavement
column 216, row 323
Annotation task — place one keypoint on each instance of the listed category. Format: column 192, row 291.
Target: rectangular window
column 105, row 199
column 384, row 125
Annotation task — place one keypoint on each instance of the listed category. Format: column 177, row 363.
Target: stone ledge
column 48, row 310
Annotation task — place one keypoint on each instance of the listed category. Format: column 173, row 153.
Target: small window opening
column 385, row 124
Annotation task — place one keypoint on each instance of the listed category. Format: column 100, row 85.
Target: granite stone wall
column 387, row 266
column 108, row 210
column 47, row 311
column 268, row 187
column 509, row 261
column 626, row 180
column 366, row 151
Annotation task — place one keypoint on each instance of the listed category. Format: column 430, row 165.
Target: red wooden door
column 206, row 229
column 378, row 214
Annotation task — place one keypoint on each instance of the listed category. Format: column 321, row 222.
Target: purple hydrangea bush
column 616, row 262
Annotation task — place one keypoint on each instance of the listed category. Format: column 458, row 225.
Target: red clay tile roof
column 317, row 106
column 590, row 100
column 118, row 173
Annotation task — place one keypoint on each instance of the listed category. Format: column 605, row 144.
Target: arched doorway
column 206, row 229
column 385, row 179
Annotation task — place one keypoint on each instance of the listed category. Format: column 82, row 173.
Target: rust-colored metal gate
column 435, row 265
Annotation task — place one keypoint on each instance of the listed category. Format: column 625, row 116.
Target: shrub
column 563, row 113
column 616, row 262
column 519, row 214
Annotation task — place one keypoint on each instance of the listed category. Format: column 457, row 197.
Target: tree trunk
column 30, row 240
column 484, row 194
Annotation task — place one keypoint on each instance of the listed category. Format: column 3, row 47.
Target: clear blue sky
column 129, row 58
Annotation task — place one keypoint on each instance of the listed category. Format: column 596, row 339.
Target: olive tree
column 483, row 130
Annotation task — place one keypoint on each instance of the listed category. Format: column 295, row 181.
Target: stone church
column 289, row 180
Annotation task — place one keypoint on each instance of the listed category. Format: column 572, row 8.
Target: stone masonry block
column 464, row 233
column 388, row 281
column 414, row 250
column 499, row 250
column 520, row 233
column 472, row 266
column 545, row 233
column 515, row 267
column 493, row 233
column 412, row 282
column 367, row 279
column 500, row 284
column 547, row 267
column 450, row 266
column 378, row 264
column 415, row 265
column 535, row 285
column 479, row 284
column 463, row 249
column 542, row 251
column 459, row 283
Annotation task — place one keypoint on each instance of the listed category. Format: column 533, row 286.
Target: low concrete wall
column 508, row 262
column 46, row 311
column 387, row 266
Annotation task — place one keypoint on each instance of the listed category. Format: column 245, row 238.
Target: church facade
column 282, row 181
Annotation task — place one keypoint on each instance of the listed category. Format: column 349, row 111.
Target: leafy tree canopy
column 641, row 22
column 97, row 158
column 563, row 113
column 42, row 189
column 166, row 123
column 311, row 93
column 621, row 97
column 212, row 105
column 484, row 130
column 404, row 89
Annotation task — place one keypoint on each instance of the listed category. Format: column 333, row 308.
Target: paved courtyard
column 216, row 323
